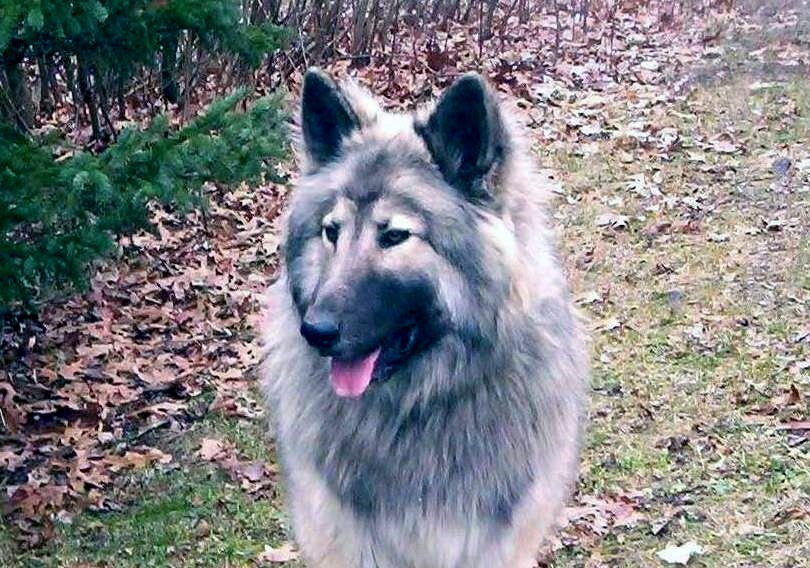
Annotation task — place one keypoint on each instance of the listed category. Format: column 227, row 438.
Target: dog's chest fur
column 443, row 481
column 472, row 451
column 379, row 460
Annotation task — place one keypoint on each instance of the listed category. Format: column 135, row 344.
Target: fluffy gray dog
column 423, row 364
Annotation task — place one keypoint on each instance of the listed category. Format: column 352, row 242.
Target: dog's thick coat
column 461, row 454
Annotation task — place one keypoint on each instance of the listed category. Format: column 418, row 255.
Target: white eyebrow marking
column 340, row 213
column 329, row 219
column 400, row 222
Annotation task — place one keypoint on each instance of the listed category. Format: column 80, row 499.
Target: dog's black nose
column 321, row 332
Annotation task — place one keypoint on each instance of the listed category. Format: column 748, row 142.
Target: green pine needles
column 57, row 217
column 59, row 214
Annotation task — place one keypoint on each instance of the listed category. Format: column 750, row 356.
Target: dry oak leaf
column 11, row 460
column 138, row 458
column 211, row 449
column 284, row 553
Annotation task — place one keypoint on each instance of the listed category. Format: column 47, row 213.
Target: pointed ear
column 466, row 136
column 326, row 117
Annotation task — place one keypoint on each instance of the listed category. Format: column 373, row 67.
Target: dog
column 423, row 364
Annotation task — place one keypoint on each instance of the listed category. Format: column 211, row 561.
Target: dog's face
column 384, row 252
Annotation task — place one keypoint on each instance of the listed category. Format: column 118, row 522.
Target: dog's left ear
column 466, row 136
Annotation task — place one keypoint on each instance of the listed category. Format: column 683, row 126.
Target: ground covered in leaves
column 131, row 431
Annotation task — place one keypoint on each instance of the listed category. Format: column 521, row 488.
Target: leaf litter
column 164, row 336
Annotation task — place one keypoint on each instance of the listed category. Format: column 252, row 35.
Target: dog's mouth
column 351, row 377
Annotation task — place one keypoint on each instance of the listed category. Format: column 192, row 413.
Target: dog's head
column 390, row 231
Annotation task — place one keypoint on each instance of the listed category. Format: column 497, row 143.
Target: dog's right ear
column 466, row 136
column 326, row 117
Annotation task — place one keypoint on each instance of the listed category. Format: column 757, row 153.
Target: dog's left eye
column 393, row 237
column 331, row 231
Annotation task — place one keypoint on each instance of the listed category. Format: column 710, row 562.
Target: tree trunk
column 46, row 85
column 360, row 27
column 523, row 11
column 16, row 103
column 585, row 8
column 168, row 68
column 487, row 29
column 89, row 98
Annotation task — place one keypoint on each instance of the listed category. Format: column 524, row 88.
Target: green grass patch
column 190, row 514
column 183, row 517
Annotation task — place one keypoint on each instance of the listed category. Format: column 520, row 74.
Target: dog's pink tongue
column 351, row 378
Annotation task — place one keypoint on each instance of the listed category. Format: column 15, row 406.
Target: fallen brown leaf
column 285, row 553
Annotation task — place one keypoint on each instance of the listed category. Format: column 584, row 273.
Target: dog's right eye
column 330, row 232
column 393, row 237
